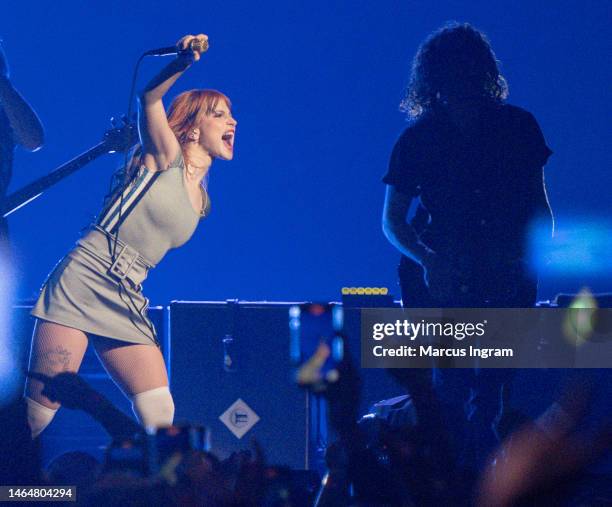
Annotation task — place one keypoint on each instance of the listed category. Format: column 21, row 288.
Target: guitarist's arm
column 400, row 233
column 403, row 236
column 27, row 128
column 160, row 146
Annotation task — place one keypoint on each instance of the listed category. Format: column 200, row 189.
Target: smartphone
column 180, row 439
column 128, row 455
column 144, row 455
column 317, row 344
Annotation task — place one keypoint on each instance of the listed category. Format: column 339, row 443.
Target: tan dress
column 97, row 287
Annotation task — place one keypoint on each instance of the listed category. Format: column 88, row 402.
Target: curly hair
column 454, row 61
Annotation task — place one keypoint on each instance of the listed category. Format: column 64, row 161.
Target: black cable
column 127, row 180
column 127, row 149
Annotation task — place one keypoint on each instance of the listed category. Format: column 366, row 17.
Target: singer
column 95, row 292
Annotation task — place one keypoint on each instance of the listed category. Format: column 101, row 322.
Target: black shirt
column 482, row 189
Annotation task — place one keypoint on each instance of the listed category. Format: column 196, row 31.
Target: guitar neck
column 30, row 192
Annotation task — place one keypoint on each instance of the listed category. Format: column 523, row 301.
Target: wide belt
column 124, row 262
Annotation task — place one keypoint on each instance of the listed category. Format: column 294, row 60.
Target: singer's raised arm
column 160, row 146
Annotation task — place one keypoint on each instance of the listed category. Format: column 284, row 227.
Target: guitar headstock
column 122, row 136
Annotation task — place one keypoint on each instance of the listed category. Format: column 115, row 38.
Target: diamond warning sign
column 239, row 418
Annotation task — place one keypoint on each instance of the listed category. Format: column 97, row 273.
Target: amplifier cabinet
column 230, row 370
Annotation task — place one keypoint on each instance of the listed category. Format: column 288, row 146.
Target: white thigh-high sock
column 39, row 416
column 154, row 407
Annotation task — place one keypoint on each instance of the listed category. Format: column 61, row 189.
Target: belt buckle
column 122, row 265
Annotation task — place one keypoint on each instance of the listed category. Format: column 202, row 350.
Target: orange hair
column 183, row 114
column 187, row 109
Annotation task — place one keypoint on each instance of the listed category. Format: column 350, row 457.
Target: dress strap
column 126, row 201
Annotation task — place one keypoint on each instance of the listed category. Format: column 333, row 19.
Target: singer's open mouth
column 228, row 139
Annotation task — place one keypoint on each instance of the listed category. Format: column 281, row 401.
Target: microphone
column 194, row 45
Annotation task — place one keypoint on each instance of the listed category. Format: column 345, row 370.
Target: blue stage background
column 316, row 87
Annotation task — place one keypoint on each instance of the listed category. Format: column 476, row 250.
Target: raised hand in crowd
column 540, row 462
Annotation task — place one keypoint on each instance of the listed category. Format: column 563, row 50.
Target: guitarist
column 472, row 168
column 474, row 165
column 19, row 125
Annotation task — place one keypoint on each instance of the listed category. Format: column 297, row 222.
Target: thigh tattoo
column 58, row 358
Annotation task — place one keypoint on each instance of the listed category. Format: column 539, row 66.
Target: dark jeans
column 470, row 402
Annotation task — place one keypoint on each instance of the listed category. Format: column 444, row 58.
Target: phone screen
column 316, row 338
